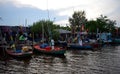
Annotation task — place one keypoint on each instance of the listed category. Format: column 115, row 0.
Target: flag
column 11, row 38
column 82, row 28
column 87, row 30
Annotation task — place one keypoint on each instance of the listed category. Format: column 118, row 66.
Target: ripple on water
column 105, row 61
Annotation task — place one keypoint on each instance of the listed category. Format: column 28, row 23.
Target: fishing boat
column 25, row 51
column 116, row 41
column 81, row 41
column 49, row 50
column 106, row 38
column 77, row 46
column 90, row 46
column 47, row 46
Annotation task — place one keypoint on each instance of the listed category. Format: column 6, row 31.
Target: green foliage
column 91, row 26
column 55, row 35
column 43, row 26
column 105, row 24
column 48, row 27
column 78, row 19
column 37, row 27
column 102, row 23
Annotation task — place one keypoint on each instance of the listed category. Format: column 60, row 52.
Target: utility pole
column 25, row 25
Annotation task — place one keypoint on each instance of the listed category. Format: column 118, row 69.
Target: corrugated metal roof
column 63, row 31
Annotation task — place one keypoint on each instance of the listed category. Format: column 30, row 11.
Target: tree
column 110, row 25
column 46, row 26
column 77, row 20
column 102, row 23
column 105, row 24
column 91, row 26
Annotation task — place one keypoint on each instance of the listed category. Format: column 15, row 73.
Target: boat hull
column 91, row 46
column 116, row 41
column 76, row 46
column 56, row 51
column 19, row 54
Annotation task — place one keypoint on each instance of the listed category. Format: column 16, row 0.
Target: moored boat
column 106, row 38
column 25, row 51
column 77, row 46
column 49, row 50
column 116, row 41
column 90, row 46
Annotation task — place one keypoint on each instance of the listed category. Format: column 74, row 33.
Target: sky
column 26, row 12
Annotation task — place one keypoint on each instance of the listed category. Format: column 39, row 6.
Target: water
column 104, row 61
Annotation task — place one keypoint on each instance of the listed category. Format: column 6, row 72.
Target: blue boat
column 106, row 38
column 116, row 41
column 77, row 46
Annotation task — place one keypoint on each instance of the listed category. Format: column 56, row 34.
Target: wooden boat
column 91, row 46
column 49, row 50
column 116, row 41
column 106, row 38
column 77, row 46
column 19, row 52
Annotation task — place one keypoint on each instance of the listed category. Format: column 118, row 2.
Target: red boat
column 49, row 50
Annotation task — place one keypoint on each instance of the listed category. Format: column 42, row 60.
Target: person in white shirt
column 52, row 44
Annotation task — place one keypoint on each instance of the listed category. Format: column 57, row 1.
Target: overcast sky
column 15, row 12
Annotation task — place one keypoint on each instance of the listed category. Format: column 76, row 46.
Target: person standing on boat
column 80, row 41
column 52, row 44
column 23, row 38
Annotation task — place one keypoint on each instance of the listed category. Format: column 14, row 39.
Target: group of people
column 82, row 39
column 44, row 45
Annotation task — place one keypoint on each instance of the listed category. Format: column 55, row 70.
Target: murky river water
column 104, row 61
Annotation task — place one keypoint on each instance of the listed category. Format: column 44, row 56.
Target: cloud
column 51, row 4
column 62, row 22
column 93, row 9
column 65, row 8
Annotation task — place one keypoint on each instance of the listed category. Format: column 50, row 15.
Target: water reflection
column 104, row 61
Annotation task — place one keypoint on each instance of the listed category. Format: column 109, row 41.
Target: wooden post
column 33, row 38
